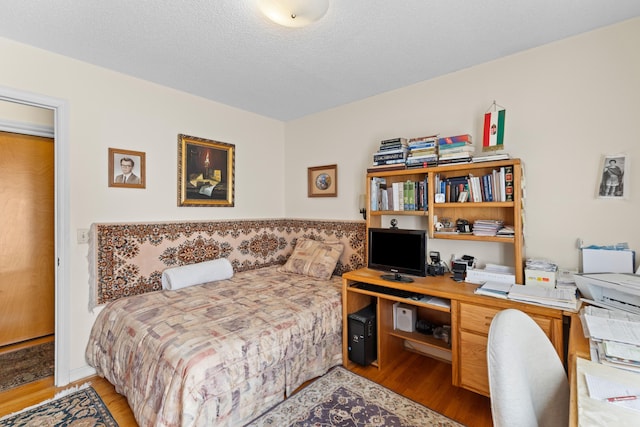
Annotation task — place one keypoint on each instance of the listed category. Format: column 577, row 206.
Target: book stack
column 506, row 231
column 486, row 227
column 391, row 155
column 455, row 149
column 422, row 152
column 490, row 157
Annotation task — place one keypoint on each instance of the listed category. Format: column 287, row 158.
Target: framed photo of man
column 613, row 177
column 126, row 168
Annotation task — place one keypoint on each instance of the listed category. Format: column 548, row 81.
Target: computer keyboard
column 386, row 290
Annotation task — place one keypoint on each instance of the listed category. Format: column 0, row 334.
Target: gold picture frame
column 206, row 172
column 322, row 181
column 126, row 168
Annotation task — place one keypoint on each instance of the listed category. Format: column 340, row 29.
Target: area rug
column 26, row 365
column 74, row 407
column 342, row 398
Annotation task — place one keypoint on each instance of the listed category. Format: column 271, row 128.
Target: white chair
column 527, row 381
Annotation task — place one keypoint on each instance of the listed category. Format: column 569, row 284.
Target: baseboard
column 80, row 374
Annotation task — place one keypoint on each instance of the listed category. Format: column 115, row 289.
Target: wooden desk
column 469, row 315
column 578, row 347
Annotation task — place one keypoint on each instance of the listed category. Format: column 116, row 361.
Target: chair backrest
column 527, row 380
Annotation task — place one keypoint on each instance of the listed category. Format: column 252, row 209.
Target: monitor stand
column 396, row 277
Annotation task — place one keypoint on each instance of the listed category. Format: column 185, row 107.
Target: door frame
column 62, row 232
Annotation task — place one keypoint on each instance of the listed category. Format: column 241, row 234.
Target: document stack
column 555, row 298
column 540, row 272
column 549, row 297
column 614, row 336
column 491, row 273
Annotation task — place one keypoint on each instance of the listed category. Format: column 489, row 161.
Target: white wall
column 568, row 103
column 108, row 109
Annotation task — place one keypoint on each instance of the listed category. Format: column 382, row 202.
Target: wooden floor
column 432, row 388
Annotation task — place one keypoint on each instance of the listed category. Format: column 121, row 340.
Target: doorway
column 60, row 110
column 27, row 270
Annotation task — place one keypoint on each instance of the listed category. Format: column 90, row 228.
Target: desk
column 584, row 410
column 468, row 314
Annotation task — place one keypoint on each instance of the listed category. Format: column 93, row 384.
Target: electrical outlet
column 83, row 235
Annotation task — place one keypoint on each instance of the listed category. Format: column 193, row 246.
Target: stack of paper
column 614, row 336
column 551, row 297
column 494, row 289
column 602, row 388
column 491, row 273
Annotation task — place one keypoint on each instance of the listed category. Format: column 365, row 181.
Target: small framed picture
column 206, row 171
column 322, row 181
column 613, row 177
column 126, row 168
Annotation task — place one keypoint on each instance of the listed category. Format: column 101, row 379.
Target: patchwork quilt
column 220, row 353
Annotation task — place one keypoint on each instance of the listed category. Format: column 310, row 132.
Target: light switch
column 83, row 235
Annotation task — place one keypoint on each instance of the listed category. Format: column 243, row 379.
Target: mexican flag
column 493, row 138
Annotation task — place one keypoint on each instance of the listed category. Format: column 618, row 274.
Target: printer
column 610, row 290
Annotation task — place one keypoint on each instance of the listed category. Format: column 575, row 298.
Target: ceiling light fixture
column 294, row 13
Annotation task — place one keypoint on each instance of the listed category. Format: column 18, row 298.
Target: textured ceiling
column 224, row 50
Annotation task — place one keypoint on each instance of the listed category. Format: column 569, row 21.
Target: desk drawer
column 477, row 318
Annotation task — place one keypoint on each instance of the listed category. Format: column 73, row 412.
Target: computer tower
column 363, row 336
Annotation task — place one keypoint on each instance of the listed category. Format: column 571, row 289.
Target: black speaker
column 363, row 336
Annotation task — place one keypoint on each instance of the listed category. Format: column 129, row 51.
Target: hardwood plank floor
column 433, row 389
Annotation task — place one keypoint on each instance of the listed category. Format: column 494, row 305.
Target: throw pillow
column 313, row 258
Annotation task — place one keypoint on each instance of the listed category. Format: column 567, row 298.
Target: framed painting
column 322, row 181
column 126, row 168
column 613, row 177
column 206, row 172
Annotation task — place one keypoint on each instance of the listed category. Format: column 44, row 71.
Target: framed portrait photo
column 126, row 168
column 322, row 181
column 613, row 176
column 206, row 171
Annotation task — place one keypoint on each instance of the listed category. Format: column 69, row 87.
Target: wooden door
column 27, row 265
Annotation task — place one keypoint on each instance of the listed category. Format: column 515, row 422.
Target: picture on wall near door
column 126, row 168
column 206, row 171
column 613, row 173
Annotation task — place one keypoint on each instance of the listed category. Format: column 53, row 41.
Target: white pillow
column 196, row 274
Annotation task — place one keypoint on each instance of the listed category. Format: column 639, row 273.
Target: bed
column 220, row 353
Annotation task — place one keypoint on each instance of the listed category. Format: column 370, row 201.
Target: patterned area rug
column 26, row 365
column 81, row 407
column 342, row 398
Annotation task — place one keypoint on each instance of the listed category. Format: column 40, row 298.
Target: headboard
column 129, row 258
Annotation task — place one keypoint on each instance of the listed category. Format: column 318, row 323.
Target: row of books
column 496, row 186
column 399, row 196
column 425, row 151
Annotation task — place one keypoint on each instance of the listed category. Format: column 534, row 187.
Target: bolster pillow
column 196, row 274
